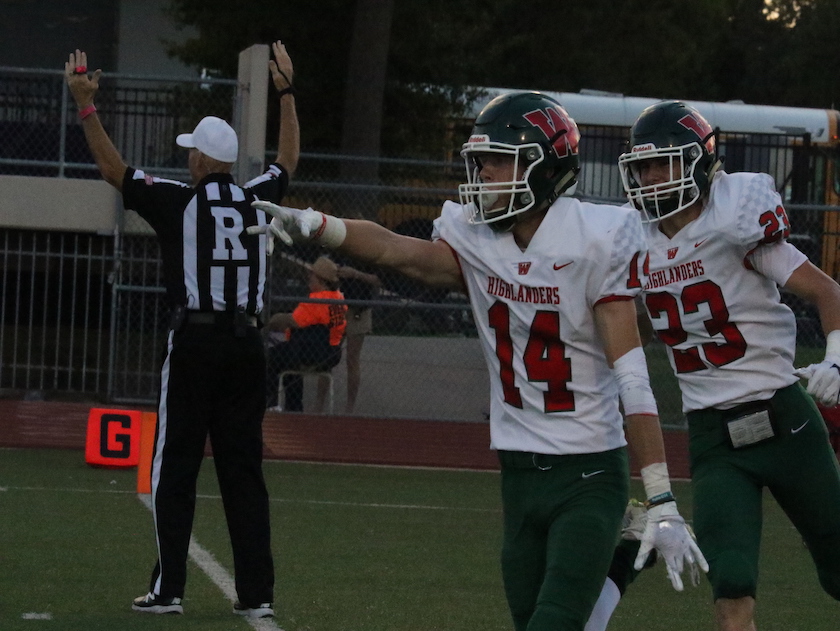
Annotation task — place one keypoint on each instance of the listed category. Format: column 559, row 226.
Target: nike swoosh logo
column 699, row 243
column 556, row 266
column 589, row 475
column 798, row 429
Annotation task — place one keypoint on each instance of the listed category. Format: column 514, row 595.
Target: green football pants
column 797, row 466
column 562, row 517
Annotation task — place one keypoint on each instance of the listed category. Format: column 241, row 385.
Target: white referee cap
column 212, row 137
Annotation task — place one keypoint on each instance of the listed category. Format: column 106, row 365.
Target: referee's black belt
column 221, row 318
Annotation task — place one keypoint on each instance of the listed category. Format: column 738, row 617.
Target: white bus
column 797, row 146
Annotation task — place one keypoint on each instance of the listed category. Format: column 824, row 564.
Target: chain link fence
column 83, row 314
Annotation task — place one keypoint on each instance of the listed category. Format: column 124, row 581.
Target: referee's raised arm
column 84, row 89
column 283, row 73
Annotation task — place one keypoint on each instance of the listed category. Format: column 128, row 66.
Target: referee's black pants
column 212, row 382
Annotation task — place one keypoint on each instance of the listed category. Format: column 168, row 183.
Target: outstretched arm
column 84, row 89
column 430, row 262
column 282, row 74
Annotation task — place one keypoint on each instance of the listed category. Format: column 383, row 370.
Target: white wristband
column 832, row 346
column 331, row 233
column 656, row 480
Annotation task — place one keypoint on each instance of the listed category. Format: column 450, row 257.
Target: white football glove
column 667, row 532
column 823, row 380
column 287, row 224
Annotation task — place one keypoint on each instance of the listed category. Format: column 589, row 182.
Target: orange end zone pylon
column 147, row 448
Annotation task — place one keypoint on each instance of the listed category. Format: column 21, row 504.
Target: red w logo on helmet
column 700, row 127
column 559, row 129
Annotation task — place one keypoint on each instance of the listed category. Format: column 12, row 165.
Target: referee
column 213, row 372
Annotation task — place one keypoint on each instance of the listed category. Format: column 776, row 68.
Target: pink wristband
column 90, row 109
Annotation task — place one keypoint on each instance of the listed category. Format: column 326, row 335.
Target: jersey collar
column 216, row 177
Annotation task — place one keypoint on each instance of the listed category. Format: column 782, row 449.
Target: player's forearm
column 812, row 284
column 431, row 263
column 644, row 436
column 827, row 302
column 288, row 144
column 371, row 243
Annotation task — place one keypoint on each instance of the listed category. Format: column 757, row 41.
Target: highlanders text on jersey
column 552, row 391
column 730, row 339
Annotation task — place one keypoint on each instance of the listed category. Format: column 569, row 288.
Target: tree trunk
column 363, row 99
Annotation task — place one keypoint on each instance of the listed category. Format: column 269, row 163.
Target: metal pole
column 62, row 131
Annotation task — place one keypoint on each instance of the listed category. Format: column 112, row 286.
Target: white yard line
column 454, row 509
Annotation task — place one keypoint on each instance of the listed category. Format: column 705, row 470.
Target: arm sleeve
column 776, row 261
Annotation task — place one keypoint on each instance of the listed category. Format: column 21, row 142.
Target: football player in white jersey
column 551, row 282
column 717, row 257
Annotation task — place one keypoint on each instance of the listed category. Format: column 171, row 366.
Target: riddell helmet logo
column 648, row 146
column 552, row 120
column 477, row 138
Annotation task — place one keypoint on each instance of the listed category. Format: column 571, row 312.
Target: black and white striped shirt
column 209, row 262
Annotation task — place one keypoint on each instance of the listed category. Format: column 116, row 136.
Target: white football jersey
column 729, row 337
column 552, row 391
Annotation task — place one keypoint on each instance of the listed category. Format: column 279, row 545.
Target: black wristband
column 662, row 498
column 285, row 91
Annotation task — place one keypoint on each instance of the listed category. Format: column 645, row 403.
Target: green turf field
column 356, row 548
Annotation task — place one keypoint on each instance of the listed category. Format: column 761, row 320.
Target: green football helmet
column 677, row 132
column 542, row 141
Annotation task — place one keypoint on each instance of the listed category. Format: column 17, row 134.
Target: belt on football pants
column 529, row 460
column 222, row 318
column 544, row 462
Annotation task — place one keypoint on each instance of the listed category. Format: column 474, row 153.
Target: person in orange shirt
column 313, row 332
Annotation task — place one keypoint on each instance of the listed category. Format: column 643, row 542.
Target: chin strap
column 714, row 169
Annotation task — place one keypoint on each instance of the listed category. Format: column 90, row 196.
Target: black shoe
column 152, row 603
column 263, row 610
